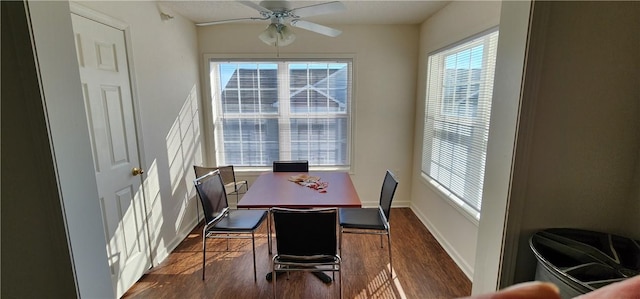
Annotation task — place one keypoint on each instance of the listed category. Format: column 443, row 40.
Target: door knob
column 137, row 171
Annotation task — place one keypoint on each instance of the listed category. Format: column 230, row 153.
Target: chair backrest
column 226, row 172
column 389, row 186
column 212, row 194
column 305, row 232
column 291, row 166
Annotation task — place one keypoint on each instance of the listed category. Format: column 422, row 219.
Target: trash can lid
column 588, row 258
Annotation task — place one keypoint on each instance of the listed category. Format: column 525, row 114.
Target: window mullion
column 284, row 106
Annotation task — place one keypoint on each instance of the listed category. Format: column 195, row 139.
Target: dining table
column 279, row 189
column 299, row 190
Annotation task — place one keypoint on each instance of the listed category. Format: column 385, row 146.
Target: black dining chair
column 291, row 166
column 372, row 220
column 306, row 240
column 224, row 223
column 228, row 175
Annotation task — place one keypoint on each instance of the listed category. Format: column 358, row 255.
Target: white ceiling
column 358, row 11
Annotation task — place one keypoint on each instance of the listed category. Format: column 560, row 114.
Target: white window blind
column 457, row 113
column 282, row 110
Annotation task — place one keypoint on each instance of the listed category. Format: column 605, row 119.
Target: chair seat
column 306, row 259
column 363, row 218
column 240, row 220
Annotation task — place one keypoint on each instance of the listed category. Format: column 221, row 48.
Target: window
column 457, row 112
column 282, row 110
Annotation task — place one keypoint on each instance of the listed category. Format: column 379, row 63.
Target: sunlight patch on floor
column 381, row 286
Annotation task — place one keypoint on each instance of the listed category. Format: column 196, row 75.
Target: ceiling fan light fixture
column 286, row 36
column 277, row 35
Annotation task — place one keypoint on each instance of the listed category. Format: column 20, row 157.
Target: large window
column 457, row 112
column 281, row 110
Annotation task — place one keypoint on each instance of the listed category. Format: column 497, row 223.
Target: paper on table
column 312, row 182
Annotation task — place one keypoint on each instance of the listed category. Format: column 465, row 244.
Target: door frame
column 99, row 17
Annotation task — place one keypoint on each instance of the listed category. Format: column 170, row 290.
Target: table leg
column 322, row 276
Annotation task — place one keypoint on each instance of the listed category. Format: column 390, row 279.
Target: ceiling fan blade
column 256, row 6
column 230, row 21
column 319, row 9
column 317, row 28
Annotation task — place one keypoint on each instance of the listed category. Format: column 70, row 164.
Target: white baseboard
column 395, row 204
column 457, row 258
column 164, row 252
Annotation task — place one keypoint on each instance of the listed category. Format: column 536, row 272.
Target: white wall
column 505, row 114
column 577, row 153
column 165, row 74
column 56, row 180
column 47, row 172
column 455, row 231
column 385, row 67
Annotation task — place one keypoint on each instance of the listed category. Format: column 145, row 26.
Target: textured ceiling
column 358, row 12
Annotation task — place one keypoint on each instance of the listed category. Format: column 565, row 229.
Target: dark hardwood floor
column 422, row 269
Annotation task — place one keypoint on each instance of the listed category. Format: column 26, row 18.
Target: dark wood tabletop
column 273, row 189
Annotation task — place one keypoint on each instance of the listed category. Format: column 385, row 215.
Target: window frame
column 468, row 43
column 209, row 116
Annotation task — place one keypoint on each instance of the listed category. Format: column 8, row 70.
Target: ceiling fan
column 280, row 14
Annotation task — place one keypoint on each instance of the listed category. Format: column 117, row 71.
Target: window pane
column 457, row 114
column 269, row 100
column 249, row 101
column 318, row 87
column 321, row 141
column 250, row 142
column 255, row 130
column 230, row 101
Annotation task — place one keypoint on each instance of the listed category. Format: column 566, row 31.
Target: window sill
column 461, row 207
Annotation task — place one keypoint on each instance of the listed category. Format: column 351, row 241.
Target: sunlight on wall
column 183, row 150
column 154, row 208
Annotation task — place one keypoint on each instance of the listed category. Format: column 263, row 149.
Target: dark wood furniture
column 273, row 189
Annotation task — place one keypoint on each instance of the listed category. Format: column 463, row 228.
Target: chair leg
column 340, row 278
column 253, row 243
column 340, row 239
column 273, row 278
column 269, row 231
column 390, row 260
column 204, row 251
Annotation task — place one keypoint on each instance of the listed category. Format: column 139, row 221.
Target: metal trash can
column 579, row 261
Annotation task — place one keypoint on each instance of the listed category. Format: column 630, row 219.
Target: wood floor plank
column 422, row 269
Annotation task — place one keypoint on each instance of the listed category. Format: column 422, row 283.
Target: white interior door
column 107, row 93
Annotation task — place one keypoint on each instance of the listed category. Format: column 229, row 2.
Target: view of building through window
column 281, row 110
column 457, row 114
